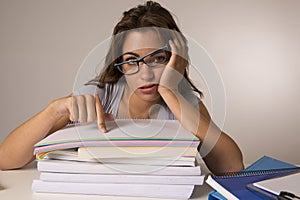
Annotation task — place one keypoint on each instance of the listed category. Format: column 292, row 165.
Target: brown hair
column 150, row 15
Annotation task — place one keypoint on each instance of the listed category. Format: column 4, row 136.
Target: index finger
column 100, row 114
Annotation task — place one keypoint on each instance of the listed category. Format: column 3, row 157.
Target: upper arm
column 203, row 111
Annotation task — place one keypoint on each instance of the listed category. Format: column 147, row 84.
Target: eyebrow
column 137, row 55
column 131, row 53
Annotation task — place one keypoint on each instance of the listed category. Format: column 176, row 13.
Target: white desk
column 16, row 184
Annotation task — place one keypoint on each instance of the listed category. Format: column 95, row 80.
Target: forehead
column 137, row 40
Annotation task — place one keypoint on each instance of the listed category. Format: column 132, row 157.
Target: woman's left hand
column 175, row 68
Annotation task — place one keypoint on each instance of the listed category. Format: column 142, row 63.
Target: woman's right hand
column 83, row 109
column 20, row 142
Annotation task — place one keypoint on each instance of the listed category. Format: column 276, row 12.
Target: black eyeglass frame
column 138, row 60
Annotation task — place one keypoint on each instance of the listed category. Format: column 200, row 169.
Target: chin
column 149, row 97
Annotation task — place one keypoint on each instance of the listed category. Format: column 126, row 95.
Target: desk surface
column 16, row 184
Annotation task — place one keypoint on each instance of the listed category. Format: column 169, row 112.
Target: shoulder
column 89, row 89
column 95, row 89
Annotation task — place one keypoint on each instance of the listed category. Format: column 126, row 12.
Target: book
column 135, row 152
column 142, row 158
column 264, row 163
column 161, row 137
column 72, row 155
column 289, row 183
column 133, row 190
column 63, row 166
column 235, row 186
column 122, row 178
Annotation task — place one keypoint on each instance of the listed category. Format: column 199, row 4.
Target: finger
column 109, row 117
column 173, row 56
column 100, row 114
column 73, row 109
column 81, row 109
column 181, row 40
column 176, row 61
column 179, row 48
column 179, row 37
column 180, row 44
column 90, row 108
column 176, row 44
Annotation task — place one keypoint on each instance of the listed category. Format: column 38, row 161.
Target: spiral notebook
column 235, row 186
column 289, row 184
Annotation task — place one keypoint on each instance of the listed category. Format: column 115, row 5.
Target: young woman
column 145, row 76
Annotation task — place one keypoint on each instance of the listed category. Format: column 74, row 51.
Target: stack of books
column 142, row 158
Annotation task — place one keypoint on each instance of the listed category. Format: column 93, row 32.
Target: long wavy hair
column 149, row 15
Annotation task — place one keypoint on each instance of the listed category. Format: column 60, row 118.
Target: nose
column 146, row 73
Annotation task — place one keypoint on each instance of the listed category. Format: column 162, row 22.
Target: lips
column 147, row 89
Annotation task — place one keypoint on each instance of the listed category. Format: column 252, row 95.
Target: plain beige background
column 254, row 43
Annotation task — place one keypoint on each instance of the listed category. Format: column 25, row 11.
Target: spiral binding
column 256, row 172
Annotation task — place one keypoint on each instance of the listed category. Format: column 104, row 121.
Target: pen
column 287, row 196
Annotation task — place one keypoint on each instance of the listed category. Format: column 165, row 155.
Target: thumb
column 109, row 117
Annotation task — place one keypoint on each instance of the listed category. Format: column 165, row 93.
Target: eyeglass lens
column 154, row 59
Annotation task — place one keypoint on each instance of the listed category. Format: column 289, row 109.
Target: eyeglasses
column 154, row 59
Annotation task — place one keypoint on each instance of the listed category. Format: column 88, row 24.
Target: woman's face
column 144, row 83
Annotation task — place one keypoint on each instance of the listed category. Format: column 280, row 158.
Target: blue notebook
column 264, row 168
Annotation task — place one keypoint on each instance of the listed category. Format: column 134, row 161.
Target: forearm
column 183, row 111
column 17, row 149
column 218, row 150
column 221, row 155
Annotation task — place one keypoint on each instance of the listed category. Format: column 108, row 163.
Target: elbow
column 6, row 165
column 9, row 162
column 222, row 164
column 5, row 168
column 236, row 165
column 238, row 161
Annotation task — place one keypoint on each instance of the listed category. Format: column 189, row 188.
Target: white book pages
column 122, row 178
column 72, row 155
column 113, row 168
column 135, row 152
column 218, row 187
column 138, row 161
column 160, row 133
column 135, row 190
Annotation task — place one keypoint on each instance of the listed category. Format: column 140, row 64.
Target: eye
column 160, row 59
column 130, row 60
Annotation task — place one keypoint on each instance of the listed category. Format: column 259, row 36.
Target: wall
column 254, row 44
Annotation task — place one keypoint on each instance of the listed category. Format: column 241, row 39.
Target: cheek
column 158, row 72
column 132, row 81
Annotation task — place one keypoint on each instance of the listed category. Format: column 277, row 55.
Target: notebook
column 235, row 186
column 289, row 183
